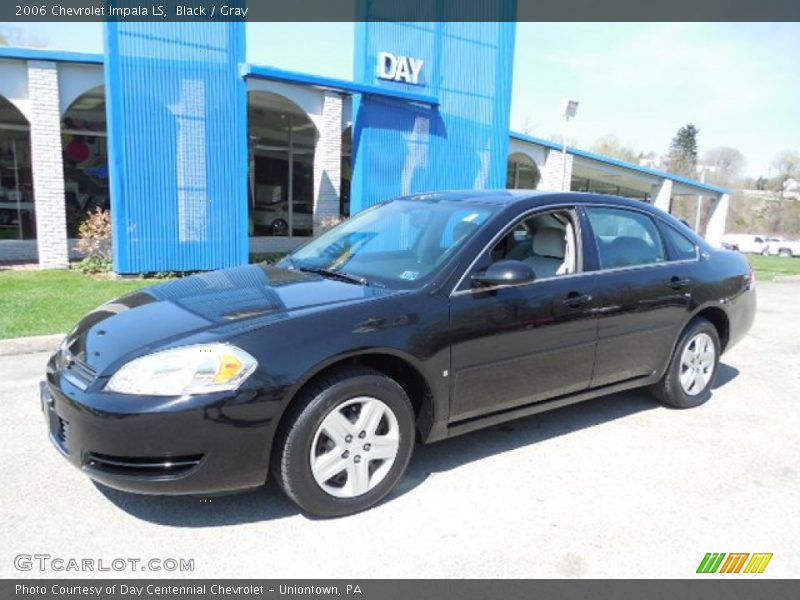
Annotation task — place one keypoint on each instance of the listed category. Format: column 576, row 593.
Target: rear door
column 643, row 294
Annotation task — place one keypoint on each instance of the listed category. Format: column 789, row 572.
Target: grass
column 767, row 268
column 42, row 302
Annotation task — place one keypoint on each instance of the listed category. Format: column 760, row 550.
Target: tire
column 785, row 253
column 279, row 227
column 672, row 390
column 314, row 430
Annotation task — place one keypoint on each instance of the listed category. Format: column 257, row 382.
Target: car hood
column 219, row 302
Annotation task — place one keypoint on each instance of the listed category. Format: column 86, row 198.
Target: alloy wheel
column 355, row 447
column 697, row 364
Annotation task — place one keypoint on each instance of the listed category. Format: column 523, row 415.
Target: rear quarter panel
column 721, row 278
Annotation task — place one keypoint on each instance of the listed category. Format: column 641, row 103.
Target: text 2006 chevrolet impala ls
column 418, row 319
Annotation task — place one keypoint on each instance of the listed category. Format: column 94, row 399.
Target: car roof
column 526, row 197
column 521, row 200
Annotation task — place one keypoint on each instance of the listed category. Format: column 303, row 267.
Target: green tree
column 682, row 156
column 728, row 163
column 609, row 145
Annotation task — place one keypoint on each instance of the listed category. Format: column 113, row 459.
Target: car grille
column 76, row 370
column 60, row 433
column 62, row 430
column 164, row 466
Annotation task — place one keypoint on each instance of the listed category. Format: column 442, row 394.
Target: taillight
column 751, row 279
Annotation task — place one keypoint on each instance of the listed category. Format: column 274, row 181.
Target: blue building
column 203, row 158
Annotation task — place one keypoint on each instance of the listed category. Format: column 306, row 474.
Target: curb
column 29, row 345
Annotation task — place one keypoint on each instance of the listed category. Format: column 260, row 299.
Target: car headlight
column 200, row 369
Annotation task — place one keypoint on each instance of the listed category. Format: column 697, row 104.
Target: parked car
column 746, row 243
column 416, row 320
column 275, row 217
column 778, row 246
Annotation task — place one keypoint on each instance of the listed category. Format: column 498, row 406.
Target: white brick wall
column 327, row 160
column 664, row 195
column 47, row 165
column 552, row 172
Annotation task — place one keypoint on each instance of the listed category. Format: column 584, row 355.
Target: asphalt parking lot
column 614, row 487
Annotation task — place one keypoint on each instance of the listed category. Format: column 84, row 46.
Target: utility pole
column 570, row 108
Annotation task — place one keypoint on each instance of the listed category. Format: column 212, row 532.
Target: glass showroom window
column 17, row 211
column 585, row 184
column 347, row 172
column 281, row 147
column 523, row 174
column 85, row 148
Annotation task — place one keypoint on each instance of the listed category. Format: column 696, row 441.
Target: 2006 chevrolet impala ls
column 418, row 319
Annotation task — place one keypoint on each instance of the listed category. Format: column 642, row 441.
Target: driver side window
column 547, row 242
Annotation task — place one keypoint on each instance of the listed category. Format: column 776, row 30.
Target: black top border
column 12, row 11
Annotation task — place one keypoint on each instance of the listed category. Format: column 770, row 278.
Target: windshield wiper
column 334, row 274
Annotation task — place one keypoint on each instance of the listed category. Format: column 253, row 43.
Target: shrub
column 328, row 223
column 93, row 265
column 95, row 242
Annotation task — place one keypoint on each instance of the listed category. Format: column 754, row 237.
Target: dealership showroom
column 298, row 131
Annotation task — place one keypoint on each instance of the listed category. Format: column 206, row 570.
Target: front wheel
column 785, row 253
column 691, row 371
column 345, row 443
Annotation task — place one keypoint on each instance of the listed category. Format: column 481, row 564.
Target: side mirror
column 505, row 272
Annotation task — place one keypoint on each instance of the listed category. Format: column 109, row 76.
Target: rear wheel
column 345, row 443
column 785, row 252
column 280, row 227
column 691, row 371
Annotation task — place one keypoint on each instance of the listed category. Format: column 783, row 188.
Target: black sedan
column 419, row 319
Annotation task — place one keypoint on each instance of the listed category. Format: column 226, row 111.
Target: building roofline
column 351, row 87
column 51, row 55
column 330, row 83
column 618, row 163
column 246, row 70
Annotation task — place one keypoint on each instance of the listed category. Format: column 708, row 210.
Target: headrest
column 629, row 250
column 549, row 241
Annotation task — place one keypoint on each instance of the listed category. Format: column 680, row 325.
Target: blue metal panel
column 618, row 163
column 51, row 55
column 401, row 148
column 177, row 126
column 275, row 74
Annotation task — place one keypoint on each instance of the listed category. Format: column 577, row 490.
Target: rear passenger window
column 625, row 238
column 684, row 248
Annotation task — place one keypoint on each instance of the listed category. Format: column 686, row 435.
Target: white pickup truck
column 778, row 246
column 746, row 243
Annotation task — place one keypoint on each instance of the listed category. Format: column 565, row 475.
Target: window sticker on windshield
column 409, row 275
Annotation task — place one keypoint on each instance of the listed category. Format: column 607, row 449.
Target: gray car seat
column 548, row 252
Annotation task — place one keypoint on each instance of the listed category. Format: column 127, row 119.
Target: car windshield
column 395, row 244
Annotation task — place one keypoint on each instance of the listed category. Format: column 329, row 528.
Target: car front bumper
column 213, row 447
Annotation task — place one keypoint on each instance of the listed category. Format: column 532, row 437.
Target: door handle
column 677, row 283
column 576, row 299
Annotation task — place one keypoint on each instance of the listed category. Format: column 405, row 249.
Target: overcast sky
column 738, row 83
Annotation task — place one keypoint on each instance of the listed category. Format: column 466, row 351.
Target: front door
column 515, row 345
